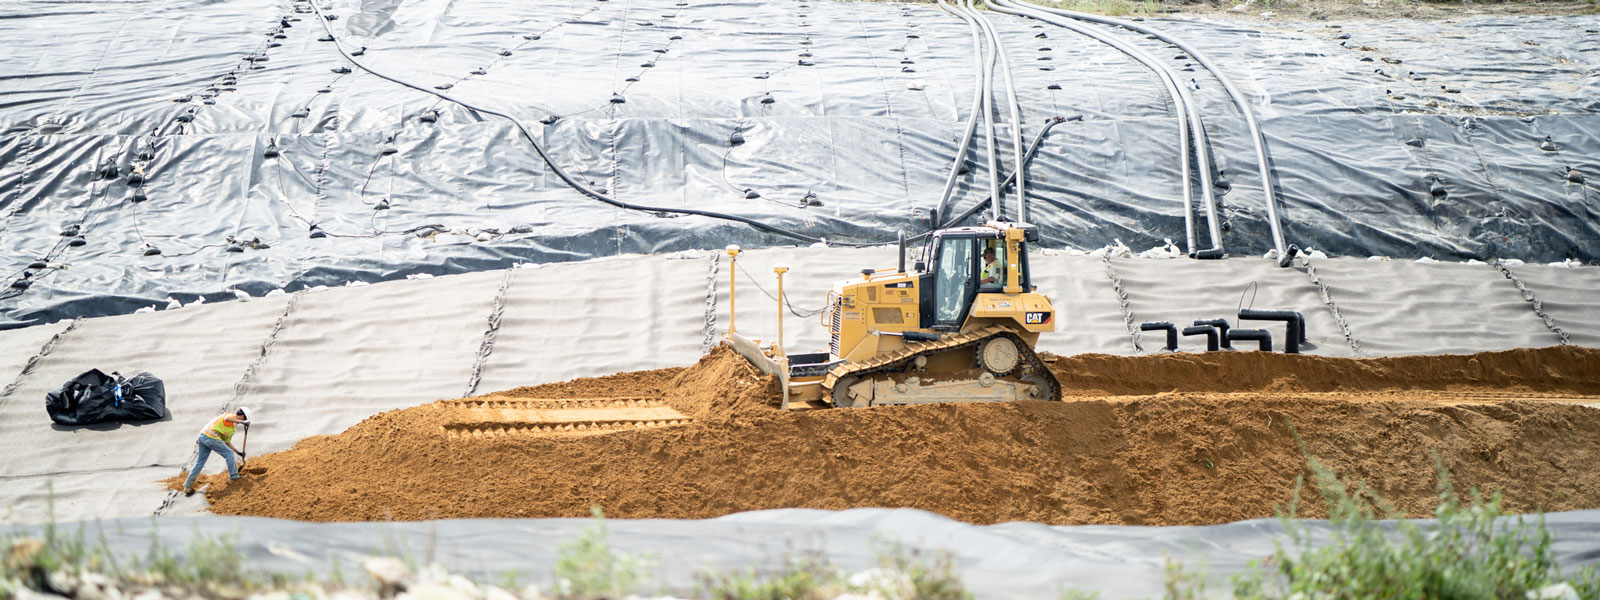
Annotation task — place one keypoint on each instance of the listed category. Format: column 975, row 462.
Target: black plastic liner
column 193, row 148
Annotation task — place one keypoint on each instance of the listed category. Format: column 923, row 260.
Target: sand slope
column 1155, row 440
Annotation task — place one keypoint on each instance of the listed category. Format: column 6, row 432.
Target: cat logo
column 1036, row 318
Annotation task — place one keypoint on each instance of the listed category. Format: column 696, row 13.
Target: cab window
column 992, row 265
column 953, row 280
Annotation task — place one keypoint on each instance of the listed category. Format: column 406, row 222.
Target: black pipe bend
column 1261, row 335
column 1206, row 330
column 1295, row 325
column 1222, row 330
column 1167, row 326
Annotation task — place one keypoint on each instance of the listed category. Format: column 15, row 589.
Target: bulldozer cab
column 958, row 264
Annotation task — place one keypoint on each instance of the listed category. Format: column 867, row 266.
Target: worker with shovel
column 217, row 436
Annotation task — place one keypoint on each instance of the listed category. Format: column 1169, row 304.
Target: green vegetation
column 901, row 573
column 208, row 562
column 933, row 577
column 802, row 576
column 1474, row 549
column 587, row 566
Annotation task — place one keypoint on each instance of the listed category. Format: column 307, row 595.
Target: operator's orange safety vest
column 221, row 429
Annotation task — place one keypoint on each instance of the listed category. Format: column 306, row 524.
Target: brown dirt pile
column 1575, row 370
column 1217, row 450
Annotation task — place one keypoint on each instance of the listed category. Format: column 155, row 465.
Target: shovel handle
column 243, row 446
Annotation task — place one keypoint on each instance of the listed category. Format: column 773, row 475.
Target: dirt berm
column 1153, row 440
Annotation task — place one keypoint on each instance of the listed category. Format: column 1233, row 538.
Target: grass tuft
column 1473, row 549
column 588, row 567
column 932, row 574
column 805, row 576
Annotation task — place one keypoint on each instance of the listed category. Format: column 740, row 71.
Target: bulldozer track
column 885, row 362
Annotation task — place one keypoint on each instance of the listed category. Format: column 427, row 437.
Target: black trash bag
column 95, row 397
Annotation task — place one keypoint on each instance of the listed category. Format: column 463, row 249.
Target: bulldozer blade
column 752, row 352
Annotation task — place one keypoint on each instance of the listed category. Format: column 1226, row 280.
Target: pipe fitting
column 1167, row 326
column 1295, row 333
column 1260, row 335
column 1212, row 343
column 1222, row 330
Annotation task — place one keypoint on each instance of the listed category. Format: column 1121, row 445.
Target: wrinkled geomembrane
column 1404, row 139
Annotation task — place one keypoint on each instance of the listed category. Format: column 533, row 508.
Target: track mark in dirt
column 497, row 416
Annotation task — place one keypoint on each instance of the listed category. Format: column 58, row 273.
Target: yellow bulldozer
column 959, row 326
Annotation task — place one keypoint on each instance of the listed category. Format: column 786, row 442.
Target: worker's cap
column 243, row 412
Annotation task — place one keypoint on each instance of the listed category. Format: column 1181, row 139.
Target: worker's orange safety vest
column 222, row 428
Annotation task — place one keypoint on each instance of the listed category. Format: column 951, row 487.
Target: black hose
column 1227, row 85
column 1182, row 104
column 562, row 174
column 1027, row 157
column 986, row 92
column 972, row 116
column 1016, row 117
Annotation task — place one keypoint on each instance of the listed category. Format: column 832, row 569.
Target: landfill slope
column 202, row 150
column 1155, row 440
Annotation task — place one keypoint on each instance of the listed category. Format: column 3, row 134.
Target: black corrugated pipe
column 1167, row 326
column 1222, row 329
column 1205, row 330
column 1296, row 325
column 1261, row 335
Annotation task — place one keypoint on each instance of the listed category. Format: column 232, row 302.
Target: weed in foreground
column 932, row 575
column 1474, row 549
column 588, row 567
column 805, row 576
column 902, row 574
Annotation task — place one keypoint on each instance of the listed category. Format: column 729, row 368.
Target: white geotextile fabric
column 317, row 363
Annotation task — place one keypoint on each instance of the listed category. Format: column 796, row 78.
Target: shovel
column 244, row 447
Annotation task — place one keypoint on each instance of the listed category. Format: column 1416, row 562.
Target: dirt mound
column 1545, row 369
column 1508, row 421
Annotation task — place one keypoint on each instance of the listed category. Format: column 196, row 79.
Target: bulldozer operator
column 993, row 269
